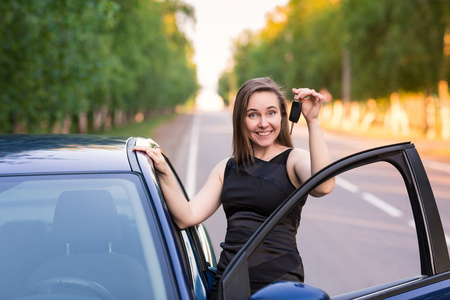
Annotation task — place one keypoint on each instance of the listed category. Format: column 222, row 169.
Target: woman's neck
column 267, row 153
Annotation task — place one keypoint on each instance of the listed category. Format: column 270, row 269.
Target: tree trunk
column 443, row 86
column 346, row 77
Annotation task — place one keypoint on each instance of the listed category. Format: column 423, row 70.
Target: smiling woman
column 262, row 172
column 259, row 110
column 263, row 118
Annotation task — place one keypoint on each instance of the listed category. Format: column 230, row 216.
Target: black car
column 83, row 217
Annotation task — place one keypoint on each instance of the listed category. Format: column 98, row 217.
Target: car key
column 296, row 111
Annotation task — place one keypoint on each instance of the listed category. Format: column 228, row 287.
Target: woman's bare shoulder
column 219, row 169
column 298, row 158
column 298, row 153
column 221, row 164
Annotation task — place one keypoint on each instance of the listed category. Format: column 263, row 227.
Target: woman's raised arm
column 201, row 206
column 318, row 151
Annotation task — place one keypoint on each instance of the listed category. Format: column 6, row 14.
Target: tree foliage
column 392, row 46
column 62, row 59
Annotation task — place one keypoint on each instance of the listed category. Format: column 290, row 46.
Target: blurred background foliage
column 88, row 65
column 389, row 52
column 91, row 65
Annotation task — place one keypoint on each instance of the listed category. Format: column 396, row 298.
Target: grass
column 143, row 129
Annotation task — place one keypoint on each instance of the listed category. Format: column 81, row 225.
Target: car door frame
column 176, row 243
column 434, row 257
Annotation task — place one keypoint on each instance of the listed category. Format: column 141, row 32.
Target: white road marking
column 372, row 199
column 191, row 171
column 381, row 204
column 347, row 185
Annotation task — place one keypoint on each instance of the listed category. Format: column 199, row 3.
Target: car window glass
column 360, row 235
column 207, row 247
column 90, row 227
column 195, row 256
column 197, row 280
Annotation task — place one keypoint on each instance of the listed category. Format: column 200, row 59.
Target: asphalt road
column 360, row 235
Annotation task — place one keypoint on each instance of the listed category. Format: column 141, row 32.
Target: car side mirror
column 289, row 291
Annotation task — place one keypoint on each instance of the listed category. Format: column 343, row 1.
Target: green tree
column 383, row 46
column 53, row 54
column 66, row 60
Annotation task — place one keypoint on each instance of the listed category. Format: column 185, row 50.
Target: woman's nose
column 263, row 122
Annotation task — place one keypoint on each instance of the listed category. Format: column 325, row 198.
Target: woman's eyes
column 269, row 113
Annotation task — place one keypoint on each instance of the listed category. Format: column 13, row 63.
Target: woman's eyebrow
column 268, row 108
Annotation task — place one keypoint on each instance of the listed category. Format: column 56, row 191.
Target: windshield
column 79, row 234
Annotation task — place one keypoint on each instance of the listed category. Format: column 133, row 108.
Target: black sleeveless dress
column 248, row 198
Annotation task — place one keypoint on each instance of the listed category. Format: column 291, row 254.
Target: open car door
column 434, row 278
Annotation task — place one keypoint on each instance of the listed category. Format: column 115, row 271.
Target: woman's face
column 263, row 118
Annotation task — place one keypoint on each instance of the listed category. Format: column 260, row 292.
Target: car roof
column 62, row 153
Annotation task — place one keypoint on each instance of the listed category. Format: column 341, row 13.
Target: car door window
column 360, row 235
column 194, row 257
column 206, row 246
column 196, row 273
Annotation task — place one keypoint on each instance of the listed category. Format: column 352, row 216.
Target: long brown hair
column 243, row 151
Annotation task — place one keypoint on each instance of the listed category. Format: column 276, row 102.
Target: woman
column 262, row 172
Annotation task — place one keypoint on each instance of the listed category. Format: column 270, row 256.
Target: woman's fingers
column 154, row 153
column 305, row 93
column 146, row 148
column 302, row 93
column 311, row 100
column 156, row 156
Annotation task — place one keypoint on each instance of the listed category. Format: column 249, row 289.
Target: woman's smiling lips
column 263, row 133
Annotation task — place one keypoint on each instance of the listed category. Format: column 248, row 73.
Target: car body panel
column 37, row 154
column 438, row 290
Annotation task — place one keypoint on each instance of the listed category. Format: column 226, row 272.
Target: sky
column 218, row 22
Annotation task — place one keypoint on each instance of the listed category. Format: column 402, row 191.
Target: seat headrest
column 86, row 216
